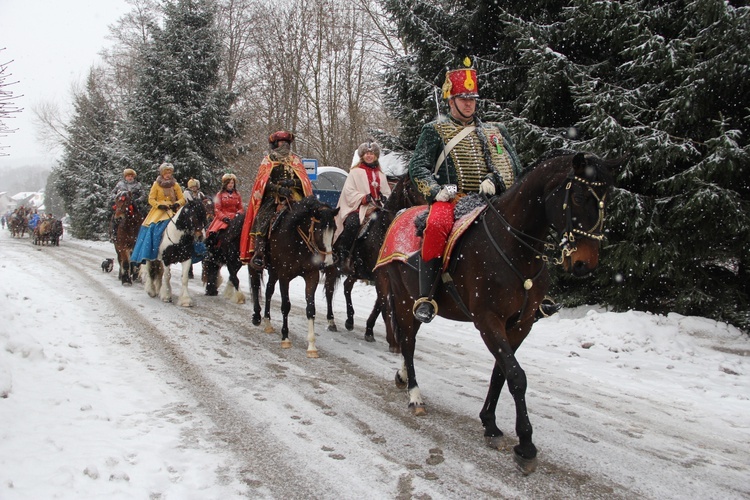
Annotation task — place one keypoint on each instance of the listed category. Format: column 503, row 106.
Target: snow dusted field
column 108, row 393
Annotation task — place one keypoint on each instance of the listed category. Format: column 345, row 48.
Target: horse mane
column 303, row 208
column 602, row 173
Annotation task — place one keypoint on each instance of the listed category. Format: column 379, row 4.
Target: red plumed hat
column 461, row 82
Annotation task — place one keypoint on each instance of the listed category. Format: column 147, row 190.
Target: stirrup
column 258, row 262
column 420, row 314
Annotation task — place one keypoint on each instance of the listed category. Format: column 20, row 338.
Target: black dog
column 108, row 265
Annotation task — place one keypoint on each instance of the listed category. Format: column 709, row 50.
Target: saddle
column 404, row 237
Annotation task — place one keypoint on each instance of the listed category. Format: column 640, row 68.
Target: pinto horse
column 496, row 274
column 182, row 231
column 225, row 252
column 364, row 257
column 300, row 244
column 130, row 220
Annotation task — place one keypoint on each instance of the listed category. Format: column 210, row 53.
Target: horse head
column 316, row 224
column 192, row 218
column 124, row 205
column 576, row 204
column 404, row 195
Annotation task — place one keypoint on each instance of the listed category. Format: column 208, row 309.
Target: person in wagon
column 129, row 184
column 165, row 199
column 366, row 188
column 281, row 179
column 227, row 206
column 454, row 156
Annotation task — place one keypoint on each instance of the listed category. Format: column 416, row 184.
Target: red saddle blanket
column 402, row 242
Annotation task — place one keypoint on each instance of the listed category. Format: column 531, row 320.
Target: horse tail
column 391, row 305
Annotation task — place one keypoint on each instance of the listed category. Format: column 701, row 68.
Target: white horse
column 183, row 229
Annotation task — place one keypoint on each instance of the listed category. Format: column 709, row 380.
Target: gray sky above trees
column 52, row 45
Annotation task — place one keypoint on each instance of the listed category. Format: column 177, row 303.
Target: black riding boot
column 425, row 308
column 345, row 243
column 547, row 308
column 259, row 256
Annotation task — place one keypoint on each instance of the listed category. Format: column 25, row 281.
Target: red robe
column 247, row 241
column 226, row 204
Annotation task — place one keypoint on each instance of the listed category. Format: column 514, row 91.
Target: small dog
column 108, row 265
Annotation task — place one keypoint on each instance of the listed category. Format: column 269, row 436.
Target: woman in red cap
column 281, row 179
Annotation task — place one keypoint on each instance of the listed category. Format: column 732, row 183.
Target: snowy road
column 613, row 426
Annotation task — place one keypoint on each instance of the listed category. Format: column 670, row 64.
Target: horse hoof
column 399, row 382
column 418, row 410
column 313, row 354
column 269, row 329
column 369, row 337
column 349, row 325
column 525, row 465
column 332, row 328
column 255, row 321
column 212, row 293
column 286, row 344
column 125, row 283
column 494, row 442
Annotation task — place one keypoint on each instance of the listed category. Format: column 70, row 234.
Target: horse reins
column 309, row 238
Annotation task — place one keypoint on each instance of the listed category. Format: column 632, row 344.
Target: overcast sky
column 52, row 44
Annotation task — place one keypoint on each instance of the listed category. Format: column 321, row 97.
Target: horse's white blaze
column 328, row 244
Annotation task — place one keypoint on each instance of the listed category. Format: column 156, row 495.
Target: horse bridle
column 567, row 242
column 309, row 238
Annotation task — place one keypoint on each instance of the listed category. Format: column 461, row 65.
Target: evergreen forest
column 665, row 83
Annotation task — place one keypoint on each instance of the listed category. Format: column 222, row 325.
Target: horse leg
column 150, row 273
column 255, row 293
column 126, row 278
column 494, row 336
column 270, row 288
column 165, row 292
column 311, row 284
column 286, row 306
column 369, row 334
column 185, row 300
column 492, row 434
column 234, row 293
column 348, row 285
column 211, row 270
column 406, row 328
column 330, row 286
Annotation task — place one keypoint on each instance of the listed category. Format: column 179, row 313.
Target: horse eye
column 578, row 199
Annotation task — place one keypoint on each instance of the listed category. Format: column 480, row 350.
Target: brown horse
column 364, row 256
column 48, row 232
column 129, row 220
column 499, row 275
column 300, row 244
column 19, row 222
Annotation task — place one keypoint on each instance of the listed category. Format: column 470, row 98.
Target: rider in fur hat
column 227, row 206
column 366, row 188
column 127, row 184
column 281, row 179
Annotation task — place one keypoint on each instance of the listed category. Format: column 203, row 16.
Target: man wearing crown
column 456, row 155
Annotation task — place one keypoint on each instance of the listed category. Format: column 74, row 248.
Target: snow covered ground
column 88, row 412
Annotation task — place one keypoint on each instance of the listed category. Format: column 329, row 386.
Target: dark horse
column 183, row 229
column 225, row 252
column 19, row 222
column 300, row 244
column 499, row 275
column 364, row 256
column 129, row 223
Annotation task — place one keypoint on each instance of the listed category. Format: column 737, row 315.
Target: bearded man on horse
column 455, row 156
column 281, row 180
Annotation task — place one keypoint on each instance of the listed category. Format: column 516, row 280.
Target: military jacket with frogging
column 485, row 153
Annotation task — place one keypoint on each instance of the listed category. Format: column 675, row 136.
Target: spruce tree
column 662, row 82
column 179, row 112
column 88, row 169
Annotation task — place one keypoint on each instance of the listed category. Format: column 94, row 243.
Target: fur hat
column 194, row 182
column 165, row 166
column 228, row 177
column 368, row 146
column 128, row 171
column 281, row 135
column 461, row 82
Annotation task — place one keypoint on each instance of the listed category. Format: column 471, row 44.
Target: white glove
column 487, row 187
column 446, row 193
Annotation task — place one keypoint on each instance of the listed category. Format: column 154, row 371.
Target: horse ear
column 336, row 211
column 581, row 167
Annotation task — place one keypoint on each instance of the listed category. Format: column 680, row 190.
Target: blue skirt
column 149, row 239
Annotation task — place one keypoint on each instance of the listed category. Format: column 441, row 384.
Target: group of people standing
column 455, row 155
